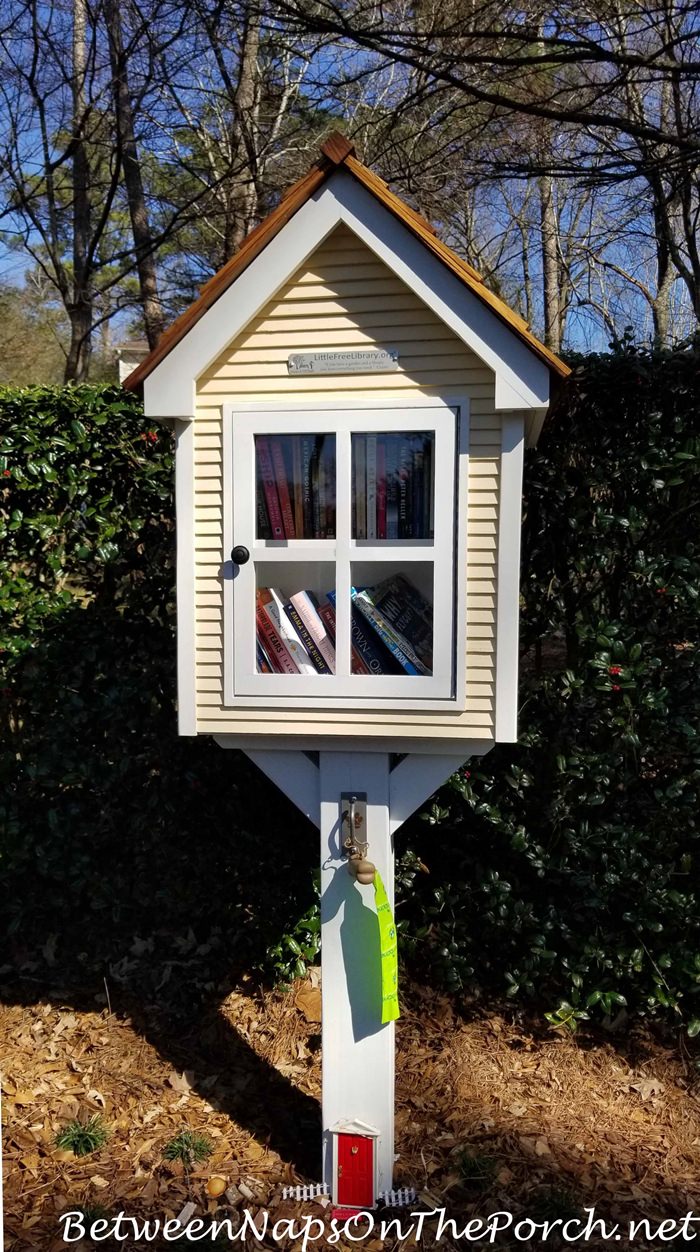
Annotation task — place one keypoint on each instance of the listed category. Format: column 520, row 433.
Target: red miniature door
column 356, row 1171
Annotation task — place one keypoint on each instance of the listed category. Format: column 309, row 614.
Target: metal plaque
column 356, row 361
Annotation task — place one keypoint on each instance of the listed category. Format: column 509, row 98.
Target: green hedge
column 566, row 867
column 562, row 870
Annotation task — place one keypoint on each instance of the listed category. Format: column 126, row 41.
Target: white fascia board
column 170, row 391
column 185, row 581
column 522, row 379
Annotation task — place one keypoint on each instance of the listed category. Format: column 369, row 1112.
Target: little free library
column 351, row 405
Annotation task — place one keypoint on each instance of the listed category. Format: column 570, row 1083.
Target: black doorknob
column 239, row 555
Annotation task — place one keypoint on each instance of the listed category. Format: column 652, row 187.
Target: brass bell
column 365, row 871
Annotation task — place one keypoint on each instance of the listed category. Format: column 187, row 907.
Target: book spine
column 392, row 487
column 297, row 487
column 265, row 665
column 274, row 607
column 273, row 644
column 405, row 462
column 309, row 615
column 307, row 448
column 264, row 527
column 417, row 488
column 369, row 656
column 317, row 661
column 396, row 644
column 327, row 615
column 268, row 477
column 367, row 646
column 281, row 480
column 381, row 488
column 315, row 494
column 371, row 486
column 427, row 487
column 360, row 447
column 329, row 449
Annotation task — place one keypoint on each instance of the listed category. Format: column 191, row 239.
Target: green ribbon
column 389, row 955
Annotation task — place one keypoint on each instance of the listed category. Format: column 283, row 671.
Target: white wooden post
column 357, row 1050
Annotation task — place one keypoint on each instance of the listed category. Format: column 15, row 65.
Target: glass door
column 342, row 533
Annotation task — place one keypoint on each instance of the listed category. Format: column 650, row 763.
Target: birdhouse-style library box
column 351, row 405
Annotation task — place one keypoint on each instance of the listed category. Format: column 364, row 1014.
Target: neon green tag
column 387, row 944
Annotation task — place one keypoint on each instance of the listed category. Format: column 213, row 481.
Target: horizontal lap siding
column 344, row 298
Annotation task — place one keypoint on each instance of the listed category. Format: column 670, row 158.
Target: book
column 428, row 487
column 371, row 463
column 317, row 661
column 404, row 475
column 269, row 487
column 315, row 494
column 417, row 488
column 307, row 448
column 264, row 527
column 408, row 612
column 360, row 485
column 305, row 604
column 373, row 657
column 272, row 643
column 282, row 484
column 327, row 612
column 328, row 505
column 265, row 665
column 392, row 487
column 395, row 642
column 381, row 487
column 273, row 605
column 297, row 487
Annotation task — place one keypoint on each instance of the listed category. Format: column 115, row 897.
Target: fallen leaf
column 308, row 1001
column 98, row 1181
column 181, row 1082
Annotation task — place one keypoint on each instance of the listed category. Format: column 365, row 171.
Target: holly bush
column 566, row 867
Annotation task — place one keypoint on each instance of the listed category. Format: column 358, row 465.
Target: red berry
column 616, row 687
column 614, row 669
column 661, row 591
column 7, row 473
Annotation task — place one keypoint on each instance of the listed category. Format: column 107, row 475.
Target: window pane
column 295, row 492
column 295, row 618
column 393, row 486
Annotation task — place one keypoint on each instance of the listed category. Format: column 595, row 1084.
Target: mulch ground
column 491, row 1115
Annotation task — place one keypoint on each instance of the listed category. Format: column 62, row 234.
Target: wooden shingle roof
column 336, row 153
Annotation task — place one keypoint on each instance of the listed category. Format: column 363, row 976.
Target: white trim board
column 185, row 579
column 508, row 583
column 521, row 378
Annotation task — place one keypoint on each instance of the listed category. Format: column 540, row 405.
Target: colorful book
column 320, row 665
column 282, row 484
column 381, row 487
column 274, row 607
column 267, row 474
column 307, row 608
column 371, row 486
column 395, row 642
column 428, row 487
column 272, row 643
column 265, row 665
column 315, row 494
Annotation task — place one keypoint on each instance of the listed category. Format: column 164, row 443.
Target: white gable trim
column 522, row 379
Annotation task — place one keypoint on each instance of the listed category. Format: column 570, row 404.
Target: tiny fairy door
column 356, row 1171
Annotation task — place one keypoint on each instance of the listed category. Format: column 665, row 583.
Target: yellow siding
column 344, row 298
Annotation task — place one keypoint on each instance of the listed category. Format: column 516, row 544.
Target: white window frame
column 446, row 688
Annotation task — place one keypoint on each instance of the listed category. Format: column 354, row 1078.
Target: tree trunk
column 138, row 212
column 245, row 155
column 549, row 228
column 80, row 305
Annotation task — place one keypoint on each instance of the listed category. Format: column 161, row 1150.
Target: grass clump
column 189, row 1147
column 476, row 1170
column 82, row 1138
